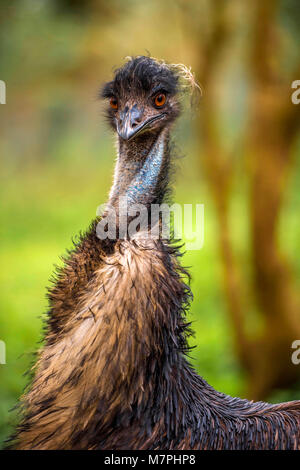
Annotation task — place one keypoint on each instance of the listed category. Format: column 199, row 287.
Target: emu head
column 142, row 98
column 142, row 103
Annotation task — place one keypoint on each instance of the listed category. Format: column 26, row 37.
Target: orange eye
column 160, row 100
column 113, row 103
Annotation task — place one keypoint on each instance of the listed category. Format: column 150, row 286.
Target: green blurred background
column 241, row 147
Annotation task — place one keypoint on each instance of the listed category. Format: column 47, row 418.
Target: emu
column 113, row 372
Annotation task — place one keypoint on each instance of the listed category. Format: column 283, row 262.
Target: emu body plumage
column 113, row 373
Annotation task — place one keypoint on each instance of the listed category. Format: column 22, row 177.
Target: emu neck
column 141, row 172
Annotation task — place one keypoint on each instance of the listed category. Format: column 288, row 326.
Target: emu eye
column 113, row 102
column 160, row 100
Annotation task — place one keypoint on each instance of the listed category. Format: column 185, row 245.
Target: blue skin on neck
column 144, row 183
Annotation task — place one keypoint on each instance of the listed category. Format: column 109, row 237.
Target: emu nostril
column 136, row 115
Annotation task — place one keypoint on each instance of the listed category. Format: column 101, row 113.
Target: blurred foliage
column 57, row 160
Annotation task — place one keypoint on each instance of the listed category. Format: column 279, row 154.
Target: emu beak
column 131, row 124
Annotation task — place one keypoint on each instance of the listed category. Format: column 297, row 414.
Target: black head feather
column 133, row 92
column 143, row 75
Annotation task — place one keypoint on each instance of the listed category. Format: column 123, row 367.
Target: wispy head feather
column 185, row 75
column 186, row 78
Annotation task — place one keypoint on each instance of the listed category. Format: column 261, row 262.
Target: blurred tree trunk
column 270, row 134
column 272, row 129
column 218, row 164
column 219, row 171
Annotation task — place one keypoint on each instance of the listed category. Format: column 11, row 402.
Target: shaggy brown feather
column 114, row 373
